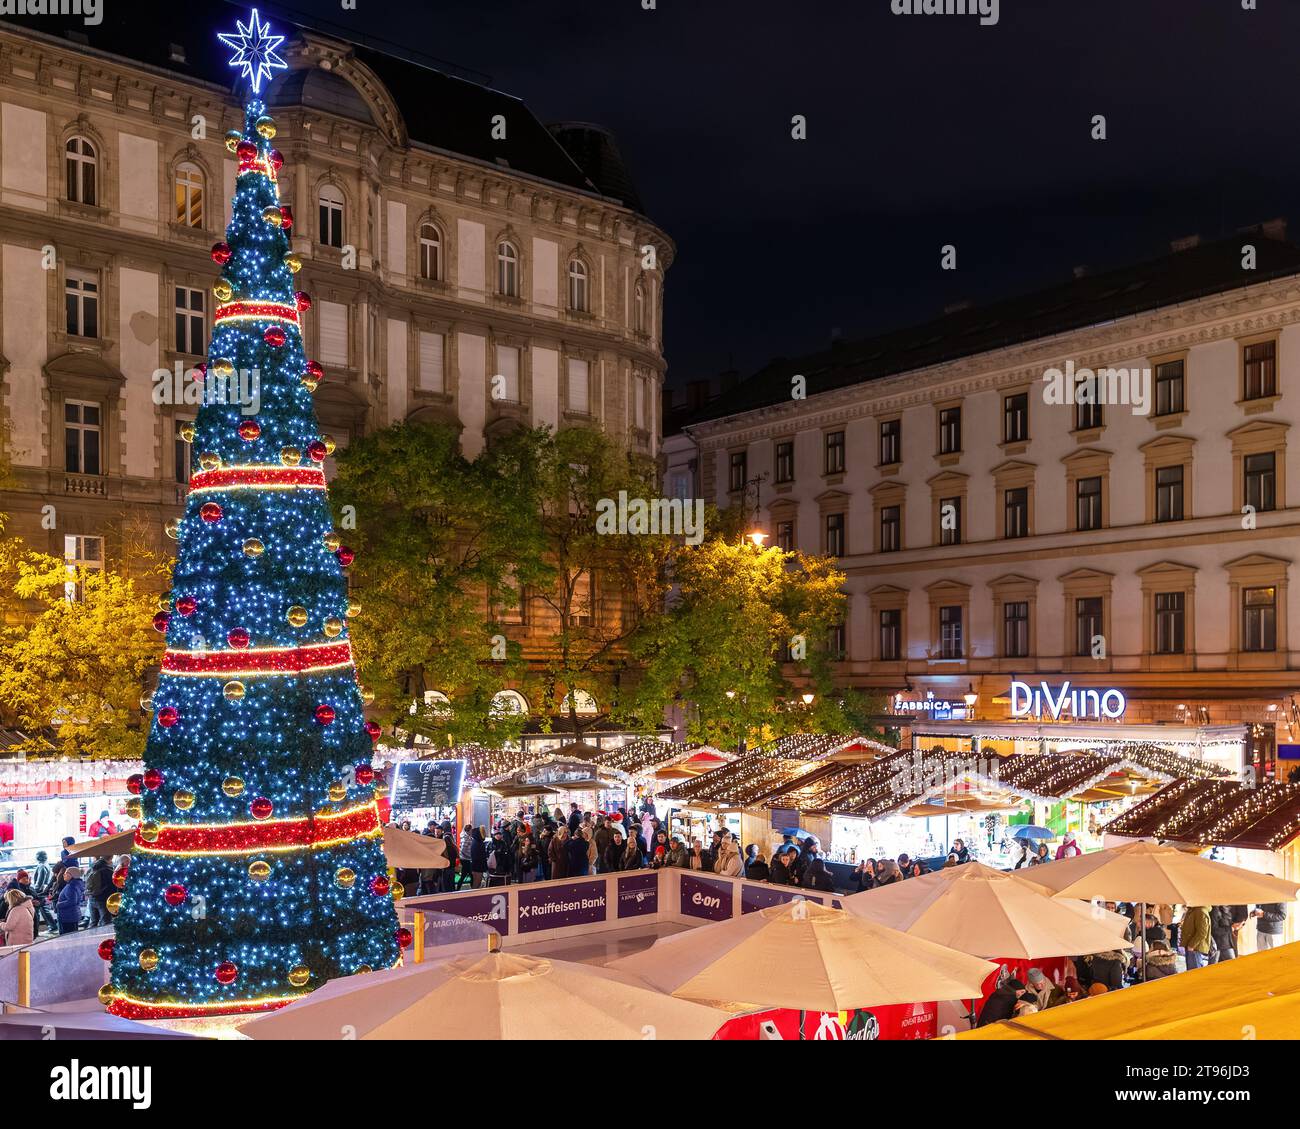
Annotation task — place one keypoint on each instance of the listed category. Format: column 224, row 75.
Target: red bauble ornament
column 372, row 727
column 238, row 637
column 316, row 451
column 276, row 158
column 119, row 877
column 274, row 336
column 135, row 783
column 160, row 621
column 200, row 371
column 210, row 512
column 175, row 894
column 186, row 605
column 286, row 212
column 153, row 779
column 324, row 713
column 345, row 555
column 364, row 773
column 380, row 886
column 105, row 949
column 250, row 429
column 221, row 253
column 405, row 937
column 315, row 369
column 303, row 301
column 226, row 972
column 261, row 808
column 168, row 716
column 246, row 150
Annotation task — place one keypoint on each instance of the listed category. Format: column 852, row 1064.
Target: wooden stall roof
column 1219, row 813
column 818, row 746
column 746, row 782
column 647, row 755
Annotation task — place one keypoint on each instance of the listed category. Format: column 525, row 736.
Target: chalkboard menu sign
column 427, row 784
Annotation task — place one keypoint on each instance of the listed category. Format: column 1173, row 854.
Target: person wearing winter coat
column 71, row 899
column 962, row 852
column 817, row 877
column 1161, row 961
column 1197, row 936
column 19, row 924
column 601, row 836
column 864, row 876
column 577, row 850
column 1224, row 939
column 614, row 852
column 758, row 870
column 633, row 859
column 1107, row 969
column 678, row 855
column 99, row 885
column 728, row 863
column 1041, row 992
column 887, row 873
column 526, row 860
column 559, row 852
column 1001, row 1003
column 778, row 873
column 1068, row 848
column 1270, row 920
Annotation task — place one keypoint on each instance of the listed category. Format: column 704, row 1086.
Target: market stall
column 42, row 802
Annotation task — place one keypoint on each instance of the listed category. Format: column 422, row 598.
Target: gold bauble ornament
column 332, row 627
column 146, row 703
column 344, row 877
column 149, row 831
column 332, row 541
column 310, row 381
column 299, row 974
column 259, row 870
column 233, row 691
column 223, row 290
column 233, row 138
column 210, row 460
column 272, row 215
column 293, row 263
column 253, row 548
column 134, row 809
column 173, row 528
column 114, row 901
column 354, row 608
column 222, row 366
column 290, row 456
column 148, row 959
column 232, row 786
column 265, row 127
column 187, row 432
column 330, row 445
column 398, row 891
column 338, row 792
column 367, row 697
column 106, row 994
column 297, row 616
column 362, row 969
column 183, row 798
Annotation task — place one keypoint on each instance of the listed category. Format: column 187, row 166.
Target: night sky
column 923, row 130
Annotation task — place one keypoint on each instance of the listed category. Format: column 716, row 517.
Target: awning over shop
column 1216, row 813
column 746, row 782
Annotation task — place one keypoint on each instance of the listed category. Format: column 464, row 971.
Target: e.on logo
column 706, row 901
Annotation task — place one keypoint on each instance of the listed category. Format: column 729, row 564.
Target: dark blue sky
column 923, row 131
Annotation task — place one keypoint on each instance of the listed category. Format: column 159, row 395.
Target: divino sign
column 1065, row 700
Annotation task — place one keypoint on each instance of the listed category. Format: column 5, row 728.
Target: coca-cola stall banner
column 892, row 1022
column 559, row 906
column 638, row 894
column 494, row 909
column 705, row 897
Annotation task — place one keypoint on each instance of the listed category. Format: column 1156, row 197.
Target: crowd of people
column 59, row 897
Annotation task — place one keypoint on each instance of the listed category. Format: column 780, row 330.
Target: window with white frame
column 183, row 450
column 331, row 215
column 579, row 386
column 189, row 195
column 507, row 269
column 507, row 389
column 579, row 297
column 190, row 313
column 430, row 253
column 81, row 554
column 81, row 437
column 432, row 375
column 81, row 300
column 82, row 172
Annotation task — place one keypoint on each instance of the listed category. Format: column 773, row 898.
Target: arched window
column 331, row 215
column 83, row 168
column 585, row 703
column 430, row 253
column 507, row 269
column 509, row 702
column 638, row 308
column 189, row 195
column 578, row 290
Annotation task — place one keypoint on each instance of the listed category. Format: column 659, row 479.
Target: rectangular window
column 834, row 452
column 1015, row 630
column 81, row 553
column 785, row 461
column 1087, row 624
column 1087, row 504
column 836, row 642
column 1259, row 627
column 1015, row 417
column 1016, row 512
column 507, row 388
column 681, row 485
column 891, row 529
column 183, row 450
column 81, row 437
column 1170, row 621
column 950, row 634
column 949, row 521
column 1169, row 388
column 432, row 375
column 332, row 325
column 891, row 634
column 579, row 387
column 639, row 387
column 190, row 312
column 738, row 474
column 1261, row 481
column 81, row 294
column 1087, row 406
column 1259, row 362
column 331, row 220
column 949, row 431
column 1169, row 493
column 835, row 535
column 891, row 442
column 785, row 536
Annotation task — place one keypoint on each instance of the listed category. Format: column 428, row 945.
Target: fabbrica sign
column 1045, row 701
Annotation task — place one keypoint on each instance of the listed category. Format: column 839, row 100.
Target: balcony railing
column 90, row 485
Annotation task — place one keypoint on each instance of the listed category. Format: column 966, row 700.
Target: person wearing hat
column 1068, row 848
column 102, row 826
column 1001, row 1003
column 1042, row 992
column 71, row 898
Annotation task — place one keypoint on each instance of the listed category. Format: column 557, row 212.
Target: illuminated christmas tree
column 258, row 871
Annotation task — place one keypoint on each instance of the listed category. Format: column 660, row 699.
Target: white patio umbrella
column 808, row 956
column 498, row 996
